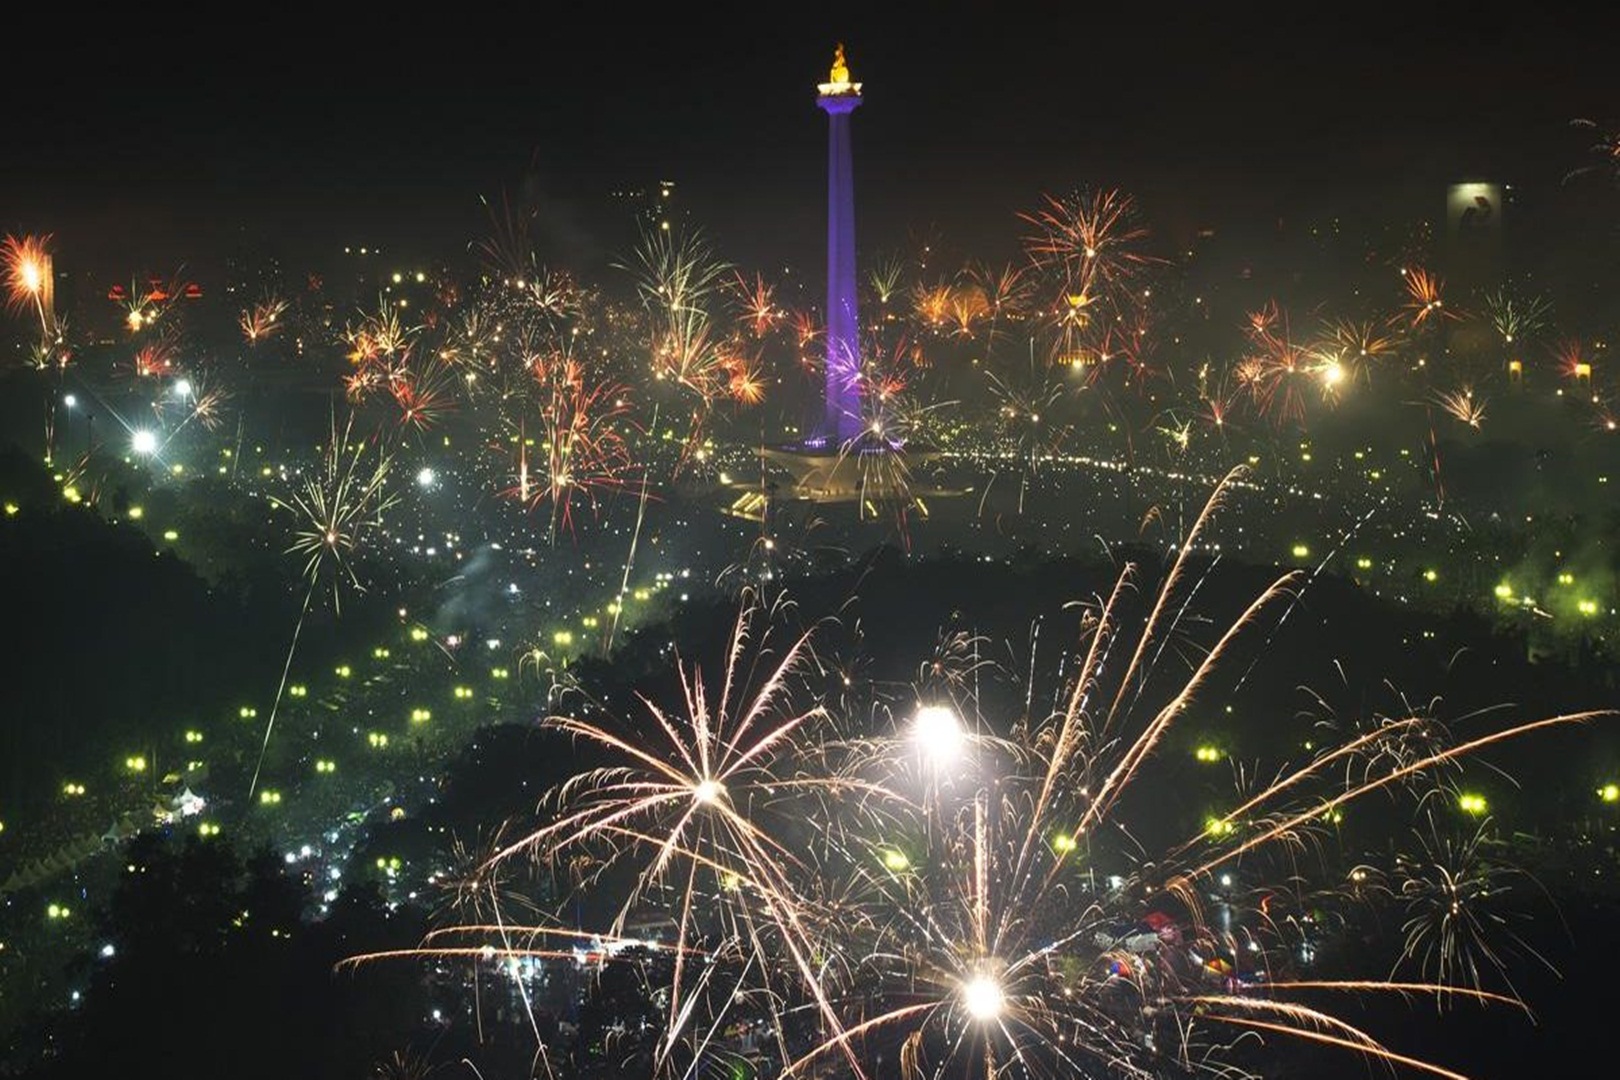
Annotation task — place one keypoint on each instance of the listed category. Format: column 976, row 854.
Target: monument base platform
column 875, row 477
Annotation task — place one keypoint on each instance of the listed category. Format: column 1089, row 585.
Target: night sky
column 152, row 136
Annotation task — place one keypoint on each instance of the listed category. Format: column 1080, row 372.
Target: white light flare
column 983, row 998
column 938, row 733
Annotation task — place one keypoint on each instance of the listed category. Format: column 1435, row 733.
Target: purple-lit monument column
column 839, row 97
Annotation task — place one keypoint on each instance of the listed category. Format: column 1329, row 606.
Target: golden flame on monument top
column 838, row 83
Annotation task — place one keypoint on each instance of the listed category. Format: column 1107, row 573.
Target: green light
column 170, row 535
column 1504, row 591
column 421, row 716
column 1471, row 804
column 1609, row 793
column 1063, row 843
column 1301, row 551
column 418, row 634
column 269, row 798
column 1207, row 754
column 135, row 764
column 1215, row 826
column 895, row 861
column 343, row 671
column 298, row 691
column 1431, row 575
column 1364, row 563
column 1587, row 607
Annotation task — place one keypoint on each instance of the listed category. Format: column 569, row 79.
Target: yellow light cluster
column 269, row 797
column 377, row 739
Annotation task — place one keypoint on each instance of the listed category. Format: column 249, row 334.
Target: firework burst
column 337, row 508
column 581, row 452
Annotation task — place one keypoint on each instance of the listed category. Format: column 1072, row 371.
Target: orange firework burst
column 744, row 381
column 582, row 453
column 156, row 359
column 424, row 392
column 1464, row 406
column 1278, row 371
column 757, row 304
column 262, row 319
column 1093, row 240
column 1364, row 342
column 1573, row 362
column 1424, row 302
column 28, row 275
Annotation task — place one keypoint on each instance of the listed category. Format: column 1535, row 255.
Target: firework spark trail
column 635, row 537
column 1312, row 770
column 1310, row 579
column 1375, row 1050
column 1452, row 754
column 1389, row 986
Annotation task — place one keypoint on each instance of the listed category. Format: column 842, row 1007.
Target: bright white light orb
column 182, row 388
column 983, row 999
column 707, row 791
column 426, row 477
column 70, row 401
column 938, row 732
column 144, row 442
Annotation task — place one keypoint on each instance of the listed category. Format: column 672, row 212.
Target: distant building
column 1474, row 253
